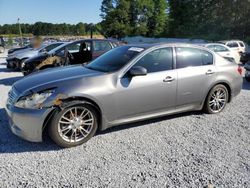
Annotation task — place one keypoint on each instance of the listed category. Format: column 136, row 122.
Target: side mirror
column 138, row 71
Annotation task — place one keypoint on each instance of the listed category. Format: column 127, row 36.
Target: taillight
column 240, row 70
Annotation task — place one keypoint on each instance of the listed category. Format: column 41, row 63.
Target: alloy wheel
column 218, row 100
column 75, row 124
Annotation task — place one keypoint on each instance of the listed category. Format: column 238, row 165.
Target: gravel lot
column 187, row 150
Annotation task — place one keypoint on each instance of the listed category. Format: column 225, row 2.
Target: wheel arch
column 78, row 100
column 226, row 84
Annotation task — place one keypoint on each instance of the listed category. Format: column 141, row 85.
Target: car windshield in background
column 114, row 59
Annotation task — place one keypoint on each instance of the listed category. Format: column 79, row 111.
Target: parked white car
column 236, row 45
column 224, row 51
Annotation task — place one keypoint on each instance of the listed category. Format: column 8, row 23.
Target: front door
column 152, row 93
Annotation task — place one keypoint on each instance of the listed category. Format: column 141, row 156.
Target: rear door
column 196, row 72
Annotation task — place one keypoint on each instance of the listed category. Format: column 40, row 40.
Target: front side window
column 52, row 46
column 73, row 47
column 192, row 57
column 157, row 60
column 100, row 46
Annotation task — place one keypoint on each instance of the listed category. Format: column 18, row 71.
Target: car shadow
column 10, row 81
column 10, row 143
column 149, row 121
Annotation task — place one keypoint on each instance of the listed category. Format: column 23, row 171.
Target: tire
column 75, row 126
column 247, row 79
column 214, row 104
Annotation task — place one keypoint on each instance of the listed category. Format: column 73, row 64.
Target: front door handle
column 209, row 72
column 168, row 79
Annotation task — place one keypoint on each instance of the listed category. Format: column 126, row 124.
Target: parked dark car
column 77, row 52
column 15, row 60
column 247, row 73
column 12, row 50
column 2, row 45
column 245, row 57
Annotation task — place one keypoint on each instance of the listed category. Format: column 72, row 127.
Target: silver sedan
column 127, row 84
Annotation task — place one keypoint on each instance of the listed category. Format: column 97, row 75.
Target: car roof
column 147, row 46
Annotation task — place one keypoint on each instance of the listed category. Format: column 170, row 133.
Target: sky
column 52, row 11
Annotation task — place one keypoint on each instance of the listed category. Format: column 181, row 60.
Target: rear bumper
column 237, row 87
column 27, row 123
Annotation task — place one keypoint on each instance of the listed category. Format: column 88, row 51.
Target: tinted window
column 157, row 60
column 242, row 44
column 100, row 46
column 73, row 47
column 192, row 57
column 114, row 59
column 52, row 46
column 232, row 44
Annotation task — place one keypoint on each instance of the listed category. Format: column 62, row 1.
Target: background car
column 12, row 50
column 2, row 45
column 224, row 51
column 127, row 84
column 236, row 45
column 245, row 57
column 77, row 52
column 15, row 60
column 247, row 73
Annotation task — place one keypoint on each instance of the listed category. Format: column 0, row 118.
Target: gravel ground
column 187, row 150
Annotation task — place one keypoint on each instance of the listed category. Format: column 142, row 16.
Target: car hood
column 38, row 57
column 53, row 77
column 26, row 54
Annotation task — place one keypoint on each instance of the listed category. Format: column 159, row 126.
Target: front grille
column 12, row 96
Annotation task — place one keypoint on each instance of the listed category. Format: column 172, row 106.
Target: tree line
column 43, row 28
column 207, row 19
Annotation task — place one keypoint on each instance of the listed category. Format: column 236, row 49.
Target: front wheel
column 216, row 100
column 74, row 125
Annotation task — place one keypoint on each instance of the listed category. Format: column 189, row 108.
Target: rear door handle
column 168, row 79
column 209, row 72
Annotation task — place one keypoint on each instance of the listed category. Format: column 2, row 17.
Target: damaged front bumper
column 27, row 123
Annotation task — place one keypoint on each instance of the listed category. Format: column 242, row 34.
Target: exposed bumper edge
column 26, row 123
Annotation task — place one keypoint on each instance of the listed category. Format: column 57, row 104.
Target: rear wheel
column 217, row 99
column 74, row 125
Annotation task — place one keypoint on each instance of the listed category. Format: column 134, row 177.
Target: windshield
column 114, row 59
column 59, row 48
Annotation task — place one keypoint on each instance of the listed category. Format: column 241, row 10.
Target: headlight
column 34, row 101
column 23, row 64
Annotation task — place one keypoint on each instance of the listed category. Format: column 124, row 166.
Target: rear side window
column 157, row 60
column 242, row 44
column 192, row 57
column 232, row 45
